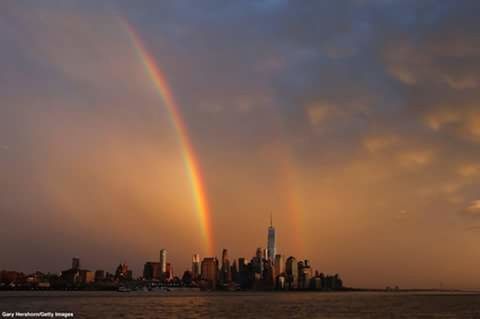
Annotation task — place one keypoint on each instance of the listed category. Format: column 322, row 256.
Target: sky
column 355, row 123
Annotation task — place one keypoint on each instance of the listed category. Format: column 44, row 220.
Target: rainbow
column 159, row 81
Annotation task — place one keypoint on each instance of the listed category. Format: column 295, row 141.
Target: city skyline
column 265, row 271
column 130, row 126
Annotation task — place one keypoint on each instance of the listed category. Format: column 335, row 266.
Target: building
column 196, row 266
column 257, row 261
column 243, row 276
column 271, row 250
column 99, row 275
column 122, row 273
column 279, row 265
column 76, row 276
column 291, row 270
column 152, row 271
column 163, row 261
column 86, row 276
column 225, row 271
column 304, row 274
column 209, row 273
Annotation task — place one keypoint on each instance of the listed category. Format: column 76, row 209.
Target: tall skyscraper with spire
column 271, row 250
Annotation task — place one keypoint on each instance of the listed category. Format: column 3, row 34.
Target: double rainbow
column 159, row 81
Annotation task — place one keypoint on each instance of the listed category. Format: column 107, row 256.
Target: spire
column 271, row 219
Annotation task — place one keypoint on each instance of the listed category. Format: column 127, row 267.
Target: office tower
column 242, row 264
column 279, row 265
column 225, row 275
column 234, row 271
column 257, row 261
column 243, row 273
column 304, row 274
column 75, row 263
column 210, row 271
column 152, row 270
column 291, row 270
column 271, row 250
column 163, row 261
column 99, row 275
column 196, row 266
column 259, row 253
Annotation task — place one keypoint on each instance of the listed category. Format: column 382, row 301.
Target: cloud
column 469, row 170
column 415, row 158
column 463, row 122
column 473, row 210
column 319, row 112
column 378, row 143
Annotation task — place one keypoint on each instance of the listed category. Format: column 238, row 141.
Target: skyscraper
column 279, row 265
column 163, row 261
column 291, row 270
column 226, row 275
column 210, row 272
column 271, row 241
column 196, row 266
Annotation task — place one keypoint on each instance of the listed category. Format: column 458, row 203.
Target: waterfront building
column 234, row 271
column 99, row 275
column 279, row 265
column 225, row 271
column 291, row 270
column 122, row 272
column 152, row 271
column 210, row 272
column 76, row 276
column 86, row 276
column 196, row 266
column 163, row 261
column 243, row 275
column 257, row 261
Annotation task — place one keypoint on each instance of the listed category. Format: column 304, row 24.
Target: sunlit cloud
column 378, row 143
column 473, row 210
column 415, row 158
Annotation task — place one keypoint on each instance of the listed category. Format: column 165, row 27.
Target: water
column 245, row 305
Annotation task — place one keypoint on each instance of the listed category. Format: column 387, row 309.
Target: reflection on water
column 245, row 305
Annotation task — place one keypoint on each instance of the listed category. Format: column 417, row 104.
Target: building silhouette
column 279, row 265
column 209, row 274
column 196, row 266
column 271, row 250
column 291, row 270
column 163, row 261
column 76, row 276
column 225, row 270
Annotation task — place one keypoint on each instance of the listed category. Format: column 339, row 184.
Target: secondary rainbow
column 159, row 81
